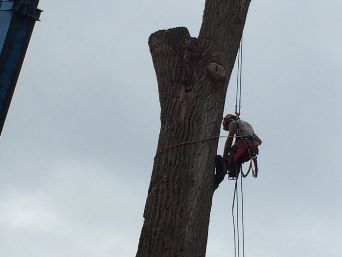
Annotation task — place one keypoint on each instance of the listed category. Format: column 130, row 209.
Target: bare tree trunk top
column 192, row 75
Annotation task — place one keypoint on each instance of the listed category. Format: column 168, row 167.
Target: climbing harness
column 252, row 156
column 253, row 163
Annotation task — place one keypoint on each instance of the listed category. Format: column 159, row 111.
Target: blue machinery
column 17, row 20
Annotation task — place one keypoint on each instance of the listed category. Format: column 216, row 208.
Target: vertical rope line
column 233, row 215
column 237, row 81
column 242, row 218
column 237, row 218
column 238, row 95
column 240, row 75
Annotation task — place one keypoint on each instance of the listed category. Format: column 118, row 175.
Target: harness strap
column 253, row 166
column 252, row 157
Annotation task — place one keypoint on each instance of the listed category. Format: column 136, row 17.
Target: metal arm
column 17, row 20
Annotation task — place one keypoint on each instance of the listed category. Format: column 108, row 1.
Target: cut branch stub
column 217, row 71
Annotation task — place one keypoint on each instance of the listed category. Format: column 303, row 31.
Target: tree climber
column 245, row 148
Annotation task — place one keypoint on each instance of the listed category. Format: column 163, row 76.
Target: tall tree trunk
column 192, row 75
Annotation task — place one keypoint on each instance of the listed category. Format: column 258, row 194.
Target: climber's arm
column 229, row 141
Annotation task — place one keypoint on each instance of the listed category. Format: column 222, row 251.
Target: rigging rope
column 242, row 217
column 192, row 142
column 233, row 216
column 238, row 95
column 236, row 223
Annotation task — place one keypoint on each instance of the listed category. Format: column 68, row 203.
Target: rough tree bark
column 192, row 75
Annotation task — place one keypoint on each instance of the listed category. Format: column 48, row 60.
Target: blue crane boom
column 17, row 20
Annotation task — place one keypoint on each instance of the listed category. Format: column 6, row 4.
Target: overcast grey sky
column 77, row 149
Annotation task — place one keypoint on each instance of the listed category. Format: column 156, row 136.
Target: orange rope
column 192, row 142
column 188, row 143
